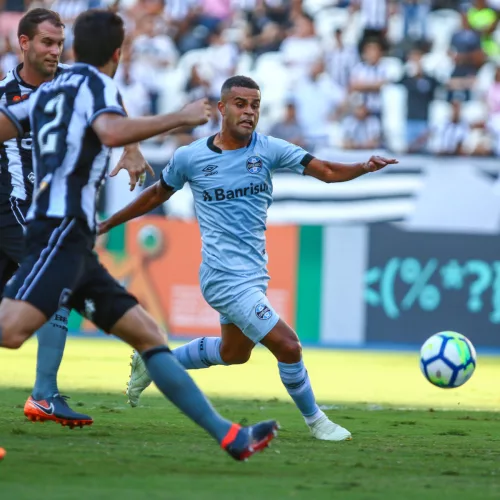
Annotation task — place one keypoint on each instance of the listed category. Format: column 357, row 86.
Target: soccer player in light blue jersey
column 230, row 175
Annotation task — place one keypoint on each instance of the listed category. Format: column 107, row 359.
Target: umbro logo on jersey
column 31, row 177
column 210, row 170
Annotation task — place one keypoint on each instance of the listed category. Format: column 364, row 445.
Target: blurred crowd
column 417, row 76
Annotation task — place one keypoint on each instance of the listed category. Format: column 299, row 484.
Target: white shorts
column 240, row 299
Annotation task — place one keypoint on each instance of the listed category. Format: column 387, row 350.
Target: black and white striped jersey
column 16, row 169
column 69, row 160
column 448, row 138
column 340, row 62
column 374, row 13
column 360, row 132
column 370, row 74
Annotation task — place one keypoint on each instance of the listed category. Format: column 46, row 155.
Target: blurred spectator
column 449, row 138
column 232, row 34
column 262, row 12
column 493, row 97
column 316, row 99
column 485, row 20
column 69, row 11
column 415, row 18
column 468, row 57
column 140, row 8
column 281, row 11
column 9, row 58
column 289, row 128
column 341, row 60
column 11, row 12
column 222, row 57
column 268, row 40
column 480, row 140
column 152, row 48
column 302, row 48
column 134, row 94
column 196, row 86
column 152, row 52
column 370, row 75
column 493, row 103
column 374, row 18
column 177, row 11
column 361, row 130
column 420, row 89
column 183, row 18
column 213, row 12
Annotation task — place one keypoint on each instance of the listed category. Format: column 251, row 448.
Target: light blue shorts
column 240, row 299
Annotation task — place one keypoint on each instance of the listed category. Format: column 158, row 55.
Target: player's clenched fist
column 197, row 112
column 378, row 162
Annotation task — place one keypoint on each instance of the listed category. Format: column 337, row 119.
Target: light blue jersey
column 232, row 192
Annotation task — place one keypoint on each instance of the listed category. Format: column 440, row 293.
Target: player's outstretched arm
column 150, row 198
column 115, row 130
column 341, row 172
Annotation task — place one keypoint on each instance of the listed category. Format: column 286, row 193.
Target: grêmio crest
column 254, row 164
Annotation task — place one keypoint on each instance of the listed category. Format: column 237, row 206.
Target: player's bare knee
column 148, row 339
column 139, row 329
column 18, row 321
column 154, row 337
column 290, row 351
column 12, row 341
column 11, row 337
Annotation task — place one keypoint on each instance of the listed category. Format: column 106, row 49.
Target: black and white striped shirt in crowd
column 340, row 62
column 359, row 132
column 69, row 160
column 447, row 138
column 70, row 9
column 179, row 9
column 374, row 14
column 16, row 166
column 367, row 73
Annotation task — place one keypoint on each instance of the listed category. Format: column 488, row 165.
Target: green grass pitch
column 411, row 440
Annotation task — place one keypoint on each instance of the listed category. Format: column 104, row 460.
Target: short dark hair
column 28, row 25
column 238, row 81
column 97, row 34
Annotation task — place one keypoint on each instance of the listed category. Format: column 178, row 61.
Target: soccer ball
column 447, row 359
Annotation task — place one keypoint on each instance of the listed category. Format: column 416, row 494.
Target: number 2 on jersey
column 47, row 137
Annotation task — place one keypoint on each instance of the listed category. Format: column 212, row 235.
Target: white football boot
column 326, row 430
column 139, row 379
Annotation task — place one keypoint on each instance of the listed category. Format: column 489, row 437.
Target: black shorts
column 12, row 243
column 62, row 270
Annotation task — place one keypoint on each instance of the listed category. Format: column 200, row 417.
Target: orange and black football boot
column 242, row 442
column 55, row 409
